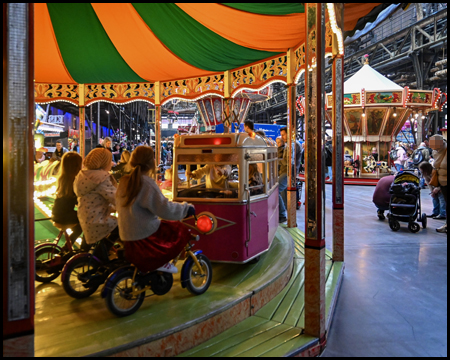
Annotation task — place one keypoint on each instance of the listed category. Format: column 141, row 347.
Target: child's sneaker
column 169, row 267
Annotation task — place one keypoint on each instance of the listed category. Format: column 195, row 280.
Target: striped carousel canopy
column 89, row 43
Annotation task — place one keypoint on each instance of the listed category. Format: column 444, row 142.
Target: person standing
column 117, row 152
column 249, row 127
column 439, row 211
column 302, row 158
column 348, row 162
column 59, row 152
column 282, row 181
column 439, row 146
column 298, row 154
column 381, row 195
column 75, row 147
column 402, row 157
column 329, row 158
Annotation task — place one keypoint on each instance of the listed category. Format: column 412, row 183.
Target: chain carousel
column 375, row 110
column 213, row 110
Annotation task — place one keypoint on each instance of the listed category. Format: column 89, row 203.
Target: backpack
column 393, row 154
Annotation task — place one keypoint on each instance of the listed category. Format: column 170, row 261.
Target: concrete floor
column 393, row 299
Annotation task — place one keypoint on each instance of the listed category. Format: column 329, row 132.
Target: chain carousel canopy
column 87, row 43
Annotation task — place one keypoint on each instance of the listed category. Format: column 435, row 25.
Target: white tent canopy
column 369, row 79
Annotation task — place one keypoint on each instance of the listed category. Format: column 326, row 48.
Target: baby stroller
column 404, row 204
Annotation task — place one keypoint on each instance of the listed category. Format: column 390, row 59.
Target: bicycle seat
column 63, row 227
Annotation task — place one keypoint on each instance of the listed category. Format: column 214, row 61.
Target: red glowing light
column 208, row 141
column 204, row 224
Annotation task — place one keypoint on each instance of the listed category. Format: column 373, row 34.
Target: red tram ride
column 232, row 179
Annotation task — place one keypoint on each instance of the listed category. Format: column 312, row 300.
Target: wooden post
column 338, row 140
column 314, row 175
column 291, row 205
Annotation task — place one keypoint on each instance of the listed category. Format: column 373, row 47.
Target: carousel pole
column 226, row 101
column 157, row 123
column 314, row 175
column 291, row 137
column 109, row 120
column 82, row 130
column 120, row 123
column 338, row 137
column 99, row 133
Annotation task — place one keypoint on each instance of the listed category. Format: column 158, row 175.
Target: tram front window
column 212, row 181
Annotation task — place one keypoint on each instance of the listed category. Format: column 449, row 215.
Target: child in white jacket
column 96, row 191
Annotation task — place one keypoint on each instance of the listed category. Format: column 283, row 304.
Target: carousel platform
column 351, row 180
column 164, row 325
column 277, row 328
column 251, row 309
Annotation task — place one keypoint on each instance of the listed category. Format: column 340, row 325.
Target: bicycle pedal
column 195, row 237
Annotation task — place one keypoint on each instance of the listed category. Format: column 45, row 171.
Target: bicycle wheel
column 47, row 268
column 79, row 273
column 196, row 283
column 119, row 300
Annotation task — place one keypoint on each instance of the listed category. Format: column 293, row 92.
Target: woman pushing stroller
column 150, row 243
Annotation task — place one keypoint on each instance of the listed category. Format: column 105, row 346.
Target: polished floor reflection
column 393, row 299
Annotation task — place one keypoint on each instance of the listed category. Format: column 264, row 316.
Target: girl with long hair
column 149, row 242
column 63, row 211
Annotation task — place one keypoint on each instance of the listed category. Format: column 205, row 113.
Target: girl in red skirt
column 150, row 243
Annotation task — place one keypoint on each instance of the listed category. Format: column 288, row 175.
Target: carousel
column 218, row 56
column 375, row 111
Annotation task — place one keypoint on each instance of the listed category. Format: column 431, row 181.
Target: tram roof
column 221, row 140
column 87, row 43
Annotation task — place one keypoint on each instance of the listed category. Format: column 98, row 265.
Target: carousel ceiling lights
column 335, row 28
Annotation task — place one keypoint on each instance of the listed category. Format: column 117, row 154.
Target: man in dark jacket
column 59, row 152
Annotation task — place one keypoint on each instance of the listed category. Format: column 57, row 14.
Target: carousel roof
column 369, row 79
column 89, row 43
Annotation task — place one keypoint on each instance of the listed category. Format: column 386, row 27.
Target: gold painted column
column 291, row 205
column 157, row 124
column 82, row 132
column 314, row 174
column 226, row 118
column 338, row 135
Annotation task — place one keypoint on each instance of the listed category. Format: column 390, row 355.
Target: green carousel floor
column 68, row 327
column 277, row 328
column 44, row 229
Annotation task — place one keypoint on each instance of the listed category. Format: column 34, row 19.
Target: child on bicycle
column 63, row 211
column 149, row 242
column 96, row 190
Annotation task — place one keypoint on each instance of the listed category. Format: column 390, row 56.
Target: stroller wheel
column 424, row 220
column 413, row 227
column 394, row 225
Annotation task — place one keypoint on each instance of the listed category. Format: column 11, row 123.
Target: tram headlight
column 206, row 223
